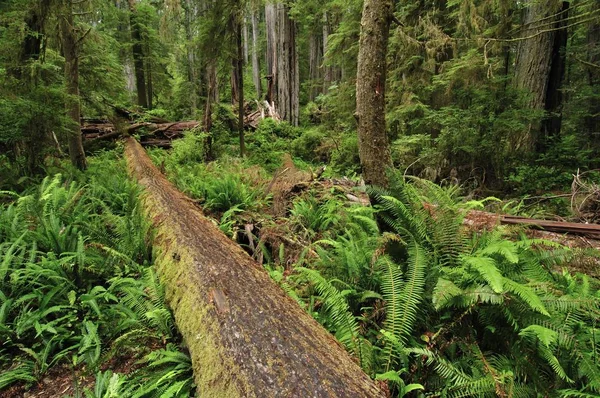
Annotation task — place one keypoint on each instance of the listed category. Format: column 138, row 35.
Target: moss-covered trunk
column 373, row 144
column 246, row 337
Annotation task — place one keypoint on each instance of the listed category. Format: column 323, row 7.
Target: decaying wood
column 287, row 181
column 158, row 134
column 555, row 226
column 246, row 337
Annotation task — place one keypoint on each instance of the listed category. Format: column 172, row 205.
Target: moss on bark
column 246, row 337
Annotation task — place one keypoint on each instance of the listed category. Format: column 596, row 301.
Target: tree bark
column 240, row 84
column 271, row 53
column 245, row 335
column 212, row 96
column 255, row 59
column 592, row 121
column 287, row 76
column 138, row 56
column 70, row 52
column 148, row 69
column 373, row 144
column 534, row 64
column 282, row 62
column 32, row 48
column 315, row 59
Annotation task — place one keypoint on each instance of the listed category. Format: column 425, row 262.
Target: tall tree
column 540, row 65
column 70, row 44
column 282, row 61
column 254, row 16
column 239, row 26
column 138, row 55
column 373, row 144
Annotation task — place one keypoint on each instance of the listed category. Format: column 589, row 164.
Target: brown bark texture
column 539, row 65
column 373, row 143
column 72, row 103
column 255, row 60
column 138, row 56
column 282, row 62
column 246, row 337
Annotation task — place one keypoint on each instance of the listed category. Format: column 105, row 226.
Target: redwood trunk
column 373, row 144
column 240, row 84
column 535, row 63
column 138, row 56
column 72, row 104
column 245, row 335
column 255, row 59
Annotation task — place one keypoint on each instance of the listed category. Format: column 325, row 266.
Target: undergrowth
column 77, row 289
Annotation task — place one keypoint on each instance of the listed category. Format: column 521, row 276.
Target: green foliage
column 74, row 286
column 189, row 149
column 307, row 146
column 469, row 313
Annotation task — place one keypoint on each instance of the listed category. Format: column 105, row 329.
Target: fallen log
column 246, row 337
column 554, row 226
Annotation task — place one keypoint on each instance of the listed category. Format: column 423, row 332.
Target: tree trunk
column 282, row 62
column 373, row 145
column 271, row 53
column 245, row 335
column 592, row 121
column 327, row 78
column 32, row 49
column 138, row 56
column 148, row 63
column 235, row 90
column 315, row 59
column 212, row 96
column 552, row 123
column 246, row 42
column 192, row 74
column 255, row 59
column 240, row 84
column 287, row 75
column 70, row 52
column 535, row 61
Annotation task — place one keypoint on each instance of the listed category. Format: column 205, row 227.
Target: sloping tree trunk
column 70, row 52
column 373, row 143
column 255, row 59
column 245, row 335
column 539, row 66
column 138, row 55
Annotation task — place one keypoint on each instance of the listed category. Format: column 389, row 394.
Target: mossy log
column 246, row 337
